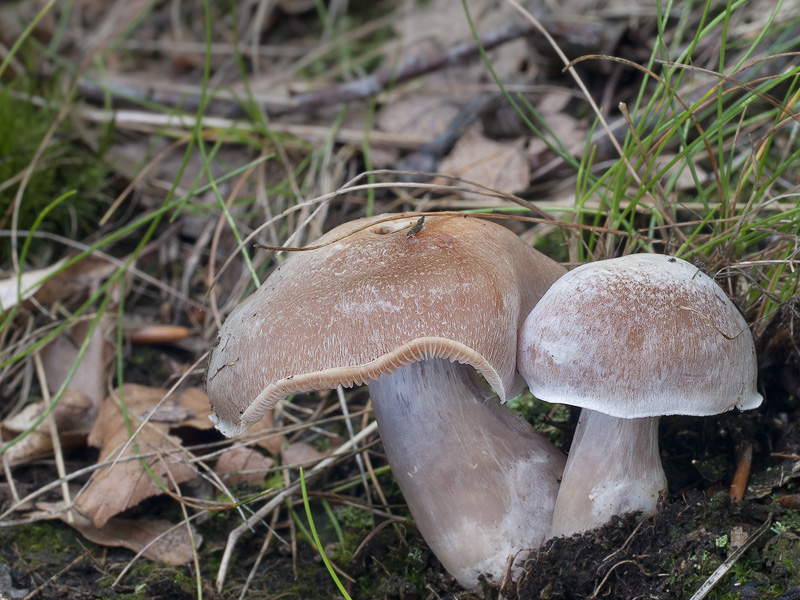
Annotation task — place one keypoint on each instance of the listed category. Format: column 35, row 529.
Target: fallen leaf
column 508, row 60
column 74, row 415
column 301, row 454
column 126, row 483
column 161, row 540
column 82, row 278
column 14, row 290
column 566, row 128
column 438, row 22
column 417, row 114
column 243, row 464
column 186, row 408
column 500, row 165
column 59, row 356
column 264, row 435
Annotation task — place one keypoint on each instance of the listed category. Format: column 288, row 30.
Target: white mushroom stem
column 479, row 481
column 613, row 468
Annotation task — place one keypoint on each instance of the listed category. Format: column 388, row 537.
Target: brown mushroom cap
column 639, row 336
column 374, row 299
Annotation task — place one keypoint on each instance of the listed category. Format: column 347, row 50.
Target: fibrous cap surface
column 639, row 336
column 372, row 299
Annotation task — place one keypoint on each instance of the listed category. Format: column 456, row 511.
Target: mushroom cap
column 639, row 336
column 374, row 298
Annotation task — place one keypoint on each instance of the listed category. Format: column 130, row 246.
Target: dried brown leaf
column 434, row 22
column 265, row 435
column 80, row 279
column 59, row 356
column 13, row 289
column 126, row 483
column 301, row 454
column 186, row 408
column 417, row 114
column 243, row 464
column 500, row 165
column 161, row 540
column 74, row 414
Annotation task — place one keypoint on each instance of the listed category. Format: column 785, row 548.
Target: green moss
column 66, row 165
column 782, row 557
column 151, row 580
column 354, row 518
column 554, row 246
column 44, row 541
column 713, row 468
column 721, row 501
column 545, row 417
column 355, row 524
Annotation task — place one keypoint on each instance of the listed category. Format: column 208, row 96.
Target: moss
column 548, row 419
column 712, row 469
column 554, row 246
column 782, row 556
column 44, row 542
column 66, row 165
column 355, row 524
column 150, row 580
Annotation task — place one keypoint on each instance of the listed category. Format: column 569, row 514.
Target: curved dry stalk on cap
column 628, row 340
column 425, row 315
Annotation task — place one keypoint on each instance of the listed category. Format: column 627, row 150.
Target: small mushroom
column 427, row 313
column 628, row 340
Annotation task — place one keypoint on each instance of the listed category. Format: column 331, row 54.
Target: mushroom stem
column 450, row 443
column 613, row 468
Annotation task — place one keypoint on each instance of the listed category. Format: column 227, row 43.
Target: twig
column 261, row 553
column 147, row 121
column 409, row 68
column 714, row 578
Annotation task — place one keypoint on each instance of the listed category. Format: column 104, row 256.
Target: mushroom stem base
column 479, row 481
column 613, row 468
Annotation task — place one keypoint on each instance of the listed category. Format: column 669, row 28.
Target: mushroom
column 628, row 340
column 428, row 313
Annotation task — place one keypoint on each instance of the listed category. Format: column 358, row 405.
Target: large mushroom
column 628, row 340
column 428, row 313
